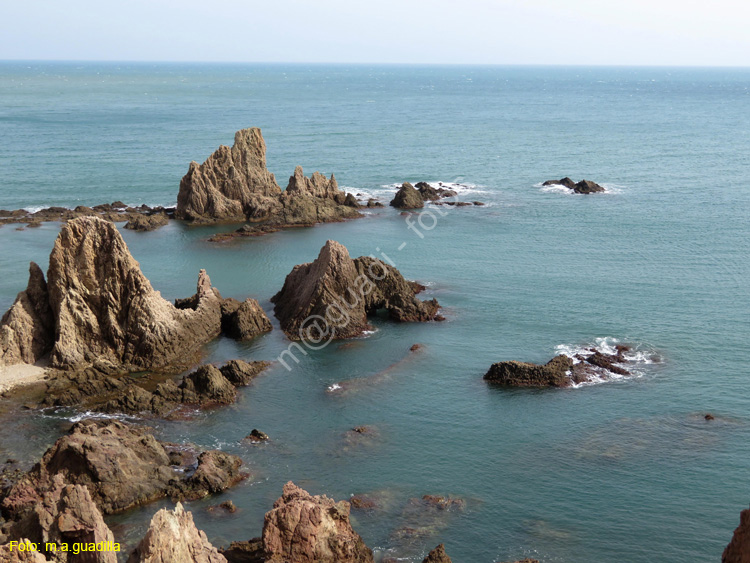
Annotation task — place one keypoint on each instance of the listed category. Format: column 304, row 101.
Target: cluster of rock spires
column 411, row 197
column 97, row 307
column 582, row 187
column 338, row 293
column 560, row 371
column 234, row 185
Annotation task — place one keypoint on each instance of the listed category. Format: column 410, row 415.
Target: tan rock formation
column 305, row 528
column 173, row 537
column 437, row 555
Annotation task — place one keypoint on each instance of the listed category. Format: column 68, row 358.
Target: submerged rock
column 523, row 374
column 173, row 537
column 302, row 527
column 257, row 436
column 437, row 555
column 98, row 306
column 738, row 550
column 122, row 467
column 582, row 187
column 407, row 197
column 332, row 296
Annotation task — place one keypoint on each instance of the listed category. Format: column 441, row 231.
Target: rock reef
column 332, row 296
column 141, row 218
column 582, row 187
column 97, row 306
column 234, row 185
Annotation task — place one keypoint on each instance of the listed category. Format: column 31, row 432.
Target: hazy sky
column 632, row 32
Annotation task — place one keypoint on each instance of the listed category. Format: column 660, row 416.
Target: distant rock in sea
column 411, row 197
column 582, row 187
column 97, row 306
column 234, row 185
column 141, row 218
column 332, row 296
column 407, row 197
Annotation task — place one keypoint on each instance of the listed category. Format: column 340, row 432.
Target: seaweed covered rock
column 522, row 374
column 98, row 306
column 172, row 537
column 407, row 197
column 332, row 296
column 302, row 527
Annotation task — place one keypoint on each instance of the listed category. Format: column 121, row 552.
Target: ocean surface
column 626, row 470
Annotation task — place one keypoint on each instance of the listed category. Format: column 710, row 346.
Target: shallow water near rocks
column 626, row 470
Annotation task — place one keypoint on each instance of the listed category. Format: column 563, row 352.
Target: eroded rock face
column 332, row 296
column 306, row 528
column 437, row 555
column 122, row 467
column 235, row 185
column 738, row 550
column 172, row 537
column 523, row 374
column 232, row 184
column 27, row 328
column 97, row 306
column 407, row 197
column 244, row 321
column 66, row 514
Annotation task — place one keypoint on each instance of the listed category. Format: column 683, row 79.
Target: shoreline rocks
column 141, row 218
column 738, row 549
column 332, row 296
column 582, row 187
column 437, row 555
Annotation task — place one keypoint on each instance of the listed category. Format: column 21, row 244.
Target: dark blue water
column 621, row 471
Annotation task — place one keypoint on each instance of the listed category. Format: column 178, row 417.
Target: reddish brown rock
column 173, row 537
column 306, row 528
column 437, row 555
column 738, row 550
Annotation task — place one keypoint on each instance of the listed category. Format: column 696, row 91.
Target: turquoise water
column 624, row 471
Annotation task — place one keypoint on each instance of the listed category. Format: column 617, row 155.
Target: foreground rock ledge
column 738, row 550
column 96, row 305
column 332, row 296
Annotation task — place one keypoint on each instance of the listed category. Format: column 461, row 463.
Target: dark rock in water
column 362, row 502
column 407, row 197
column 374, row 203
column 709, row 416
column 102, row 308
column 173, row 537
column 522, row 374
column 606, row 361
column 121, row 466
column 303, row 527
column 332, row 296
column 738, row 550
column 415, row 347
column 147, row 222
column 243, row 321
column 582, row 187
column 257, row 436
column 526, row 560
column 437, row 555
column 245, row 552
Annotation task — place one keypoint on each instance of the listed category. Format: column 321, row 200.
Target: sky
column 547, row 32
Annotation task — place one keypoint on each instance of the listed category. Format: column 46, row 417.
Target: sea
column 623, row 470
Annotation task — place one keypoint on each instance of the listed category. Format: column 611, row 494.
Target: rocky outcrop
column 235, row 185
column 116, row 212
column 27, row 328
column 66, row 514
column 332, row 296
column 231, row 185
column 172, row 537
column 738, row 550
column 8, row 555
column 243, row 321
column 582, row 187
column 437, row 555
column 562, row 370
column 206, row 386
column 522, row 374
column 306, row 528
column 122, row 467
column 245, row 551
column 430, row 193
column 407, row 197
column 103, row 309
